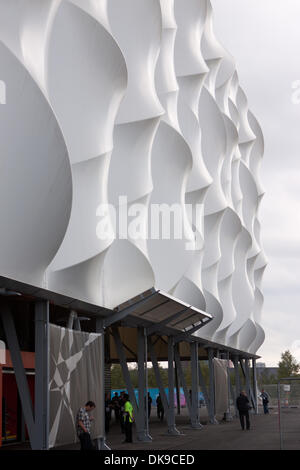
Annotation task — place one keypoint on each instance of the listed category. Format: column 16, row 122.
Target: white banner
column 75, row 378
column 221, row 385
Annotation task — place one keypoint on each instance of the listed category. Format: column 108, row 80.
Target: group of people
column 117, row 402
column 243, row 406
column 123, row 410
column 124, row 414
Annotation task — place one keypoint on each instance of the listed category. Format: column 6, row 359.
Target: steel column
column 146, row 381
column 125, row 371
column 248, row 385
column 247, row 376
column 237, row 379
column 232, row 392
column 101, row 441
column 171, row 414
column 22, row 384
column 41, row 387
column 182, row 381
column 254, row 379
column 177, row 390
column 142, row 416
column 195, row 385
column 203, row 387
column 228, row 414
column 165, row 401
column 212, row 407
column 1, row 389
column 158, row 378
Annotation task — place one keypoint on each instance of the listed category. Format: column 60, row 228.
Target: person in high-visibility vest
column 128, row 419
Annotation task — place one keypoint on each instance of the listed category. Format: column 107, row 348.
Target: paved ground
column 264, row 435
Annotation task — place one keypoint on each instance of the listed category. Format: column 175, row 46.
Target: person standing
column 121, row 408
column 160, row 408
column 243, row 406
column 108, row 408
column 128, row 419
column 265, row 400
column 116, row 406
column 83, row 424
column 149, row 404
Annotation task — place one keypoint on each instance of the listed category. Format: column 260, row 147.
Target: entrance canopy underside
column 166, row 312
column 158, row 312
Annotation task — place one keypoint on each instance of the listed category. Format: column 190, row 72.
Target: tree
column 288, row 366
column 117, row 380
column 264, row 378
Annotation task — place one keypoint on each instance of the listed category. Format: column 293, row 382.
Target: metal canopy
column 166, row 312
column 156, row 310
column 38, row 293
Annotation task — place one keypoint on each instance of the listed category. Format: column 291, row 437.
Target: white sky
column 264, row 38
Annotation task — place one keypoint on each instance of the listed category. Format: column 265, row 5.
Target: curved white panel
column 79, row 45
column 85, row 82
column 36, row 184
column 131, row 103
column 137, row 28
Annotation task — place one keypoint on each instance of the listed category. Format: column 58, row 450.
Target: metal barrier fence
column 288, row 403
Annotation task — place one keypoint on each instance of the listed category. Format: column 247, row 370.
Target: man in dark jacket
column 265, row 399
column 243, row 406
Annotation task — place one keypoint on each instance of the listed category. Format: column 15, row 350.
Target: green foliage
column 288, row 366
column 117, row 380
column 263, row 378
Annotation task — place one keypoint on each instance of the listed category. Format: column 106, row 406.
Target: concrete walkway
column 263, row 435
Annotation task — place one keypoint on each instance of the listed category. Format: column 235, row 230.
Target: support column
column 203, row 387
column 248, row 385
column 254, row 379
column 177, row 390
column 228, row 414
column 41, row 387
column 1, row 393
column 171, row 414
column 22, row 384
column 183, row 381
column 195, row 384
column 142, row 417
column 212, row 407
column 127, row 379
column 237, row 378
column 232, row 391
column 101, row 441
column 162, row 392
column 247, row 377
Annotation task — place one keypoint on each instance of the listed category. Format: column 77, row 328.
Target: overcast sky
column 264, row 38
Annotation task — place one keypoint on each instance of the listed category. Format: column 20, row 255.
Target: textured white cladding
column 135, row 98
